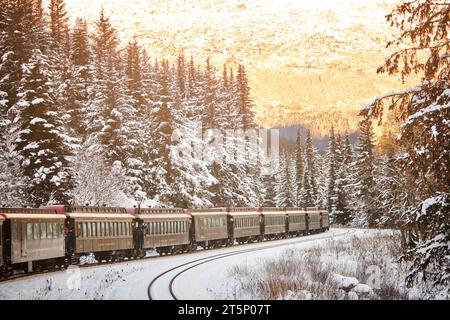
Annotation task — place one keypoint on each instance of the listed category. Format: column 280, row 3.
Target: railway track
column 183, row 268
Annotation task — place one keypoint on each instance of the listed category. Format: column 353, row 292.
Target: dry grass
column 309, row 273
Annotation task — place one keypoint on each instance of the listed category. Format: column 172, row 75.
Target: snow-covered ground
column 130, row 280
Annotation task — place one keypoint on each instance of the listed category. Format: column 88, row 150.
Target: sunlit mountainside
column 307, row 61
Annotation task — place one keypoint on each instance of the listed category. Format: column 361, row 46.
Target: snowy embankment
column 364, row 266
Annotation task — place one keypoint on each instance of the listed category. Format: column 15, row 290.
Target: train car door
column 22, row 229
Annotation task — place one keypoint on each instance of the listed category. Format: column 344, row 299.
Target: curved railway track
column 197, row 262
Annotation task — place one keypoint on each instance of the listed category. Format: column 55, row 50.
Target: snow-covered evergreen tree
column 41, row 144
column 299, row 169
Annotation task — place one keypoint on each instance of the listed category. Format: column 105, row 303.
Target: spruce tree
column 332, row 168
column 364, row 178
column 299, row 168
column 42, row 149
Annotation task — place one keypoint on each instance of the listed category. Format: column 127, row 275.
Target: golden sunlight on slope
column 309, row 62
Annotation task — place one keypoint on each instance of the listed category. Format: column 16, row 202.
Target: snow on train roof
column 244, row 213
column 163, row 216
column 32, row 216
column 208, row 212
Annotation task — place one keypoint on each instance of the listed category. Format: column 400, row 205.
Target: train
column 57, row 236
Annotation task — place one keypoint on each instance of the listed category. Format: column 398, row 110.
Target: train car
column 166, row 230
column 314, row 224
column 324, row 220
column 210, row 228
column 33, row 239
column 275, row 223
column 245, row 225
column 105, row 232
column 297, row 218
column 2, row 264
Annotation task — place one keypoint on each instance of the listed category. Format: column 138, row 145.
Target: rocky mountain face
column 310, row 63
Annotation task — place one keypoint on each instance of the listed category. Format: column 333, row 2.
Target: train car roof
column 274, row 213
column 208, row 213
column 154, row 211
column 28, row 213
column 163, row 216
column 94, row 215
column 245, row 213
column 296, row 212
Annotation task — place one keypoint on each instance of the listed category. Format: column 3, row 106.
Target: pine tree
column 59, row 24
column 367, row 213
column 283, row 189
column 80, row 81
column 244, row 102
column 43, row 152
column 332, row 168
column 299, row 166
column 309, row 193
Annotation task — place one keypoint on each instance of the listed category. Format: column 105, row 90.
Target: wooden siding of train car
column 246, row 228
column 1, row 243
column 274, row 227
column 314, row 220
column 87, row 242
column 206, row 232
column 297, row 221
column 161, row 235
column 29, row 245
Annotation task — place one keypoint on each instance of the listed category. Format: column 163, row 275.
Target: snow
column 362, row 288
column 37, row 120
column 343, row 282
column 37, row 101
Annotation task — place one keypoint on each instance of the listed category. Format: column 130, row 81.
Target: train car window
column 84, row 230
column 89, row 230
column 43, row 228
column 95, row 231
column 49, row 230
column 55, row 228
column 106, row 229
column 116, row 227
column 29, row 231
column 35, row 230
